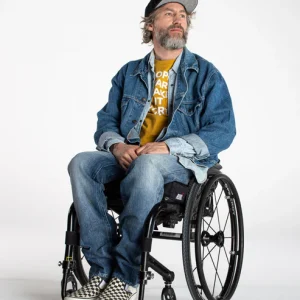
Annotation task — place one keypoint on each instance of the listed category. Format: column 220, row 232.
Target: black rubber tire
column 191, row 205
column 195, row 207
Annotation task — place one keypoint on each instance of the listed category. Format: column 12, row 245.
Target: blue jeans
column 142, row 186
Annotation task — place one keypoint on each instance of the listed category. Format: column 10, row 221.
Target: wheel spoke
column 208, row 252
column 226, row 255
column 217, row 203
column 217, row 212
column 209, row 226
column 200, row 288
column 216, row 270
column 226, row 222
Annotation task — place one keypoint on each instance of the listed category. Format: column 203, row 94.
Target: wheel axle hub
column 217, row 239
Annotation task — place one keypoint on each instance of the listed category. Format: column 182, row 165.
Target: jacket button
column 134, row 121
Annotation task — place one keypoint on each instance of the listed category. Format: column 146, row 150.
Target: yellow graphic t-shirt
column 157, row 117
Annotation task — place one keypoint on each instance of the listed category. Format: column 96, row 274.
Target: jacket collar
column 188, row 61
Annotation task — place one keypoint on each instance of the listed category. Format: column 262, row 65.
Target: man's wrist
column 112, row 147
column 167, row 147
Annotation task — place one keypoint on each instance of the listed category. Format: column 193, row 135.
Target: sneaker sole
column 76, row 298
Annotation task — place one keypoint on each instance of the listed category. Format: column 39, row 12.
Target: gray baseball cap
column 189, row 5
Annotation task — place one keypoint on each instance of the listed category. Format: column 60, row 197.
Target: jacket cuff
column 179, row 146
column 200, row 148
column 109, row 138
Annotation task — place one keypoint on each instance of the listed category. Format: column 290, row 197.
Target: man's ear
column 150, row 27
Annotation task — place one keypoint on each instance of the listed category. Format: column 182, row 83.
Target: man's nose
column 176, row 19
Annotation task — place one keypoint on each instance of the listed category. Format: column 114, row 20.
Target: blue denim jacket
column 202, row 120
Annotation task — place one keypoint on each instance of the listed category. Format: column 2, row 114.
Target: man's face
column 170, row 26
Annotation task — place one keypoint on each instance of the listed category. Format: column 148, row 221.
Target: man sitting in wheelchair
column 167, row 117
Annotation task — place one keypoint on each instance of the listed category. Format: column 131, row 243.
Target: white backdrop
column 56, row 62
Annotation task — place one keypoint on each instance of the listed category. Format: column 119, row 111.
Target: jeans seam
column 99, row 169
column 102, row 275
column 103, row 210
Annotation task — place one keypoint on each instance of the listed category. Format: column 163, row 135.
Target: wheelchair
column 212, row 238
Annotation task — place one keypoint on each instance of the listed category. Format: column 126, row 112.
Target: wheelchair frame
column 190, row 206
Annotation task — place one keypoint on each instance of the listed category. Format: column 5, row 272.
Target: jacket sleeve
column 217, row 123
column 109, row 117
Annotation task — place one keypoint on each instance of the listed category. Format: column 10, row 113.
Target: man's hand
column 124, row 154
column 153, row 148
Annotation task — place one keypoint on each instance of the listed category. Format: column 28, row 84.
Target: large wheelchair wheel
column 213, row 239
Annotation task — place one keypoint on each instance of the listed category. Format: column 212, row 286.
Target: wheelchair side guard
column 172, row 206
column 175, row 192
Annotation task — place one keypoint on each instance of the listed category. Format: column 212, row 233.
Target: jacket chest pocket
column 187, row 116
column 131, row 109
column 190, row 108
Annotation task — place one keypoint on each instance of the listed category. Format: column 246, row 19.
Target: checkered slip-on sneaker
column 118, row 290
column 91, row 290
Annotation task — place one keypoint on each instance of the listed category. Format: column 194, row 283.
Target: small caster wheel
column 73, row 288
column 168, row 294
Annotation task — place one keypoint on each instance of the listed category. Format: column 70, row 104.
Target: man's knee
column 86, row 163
column 78, row 162
column 147, row 162
column 144, row 171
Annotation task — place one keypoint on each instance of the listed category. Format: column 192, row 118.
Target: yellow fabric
column 157, row 116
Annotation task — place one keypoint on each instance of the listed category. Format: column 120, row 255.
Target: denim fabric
column 202, row 111
column 171, row 83
column 141, row 188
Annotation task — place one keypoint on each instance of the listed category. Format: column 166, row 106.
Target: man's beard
column 171, row 43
